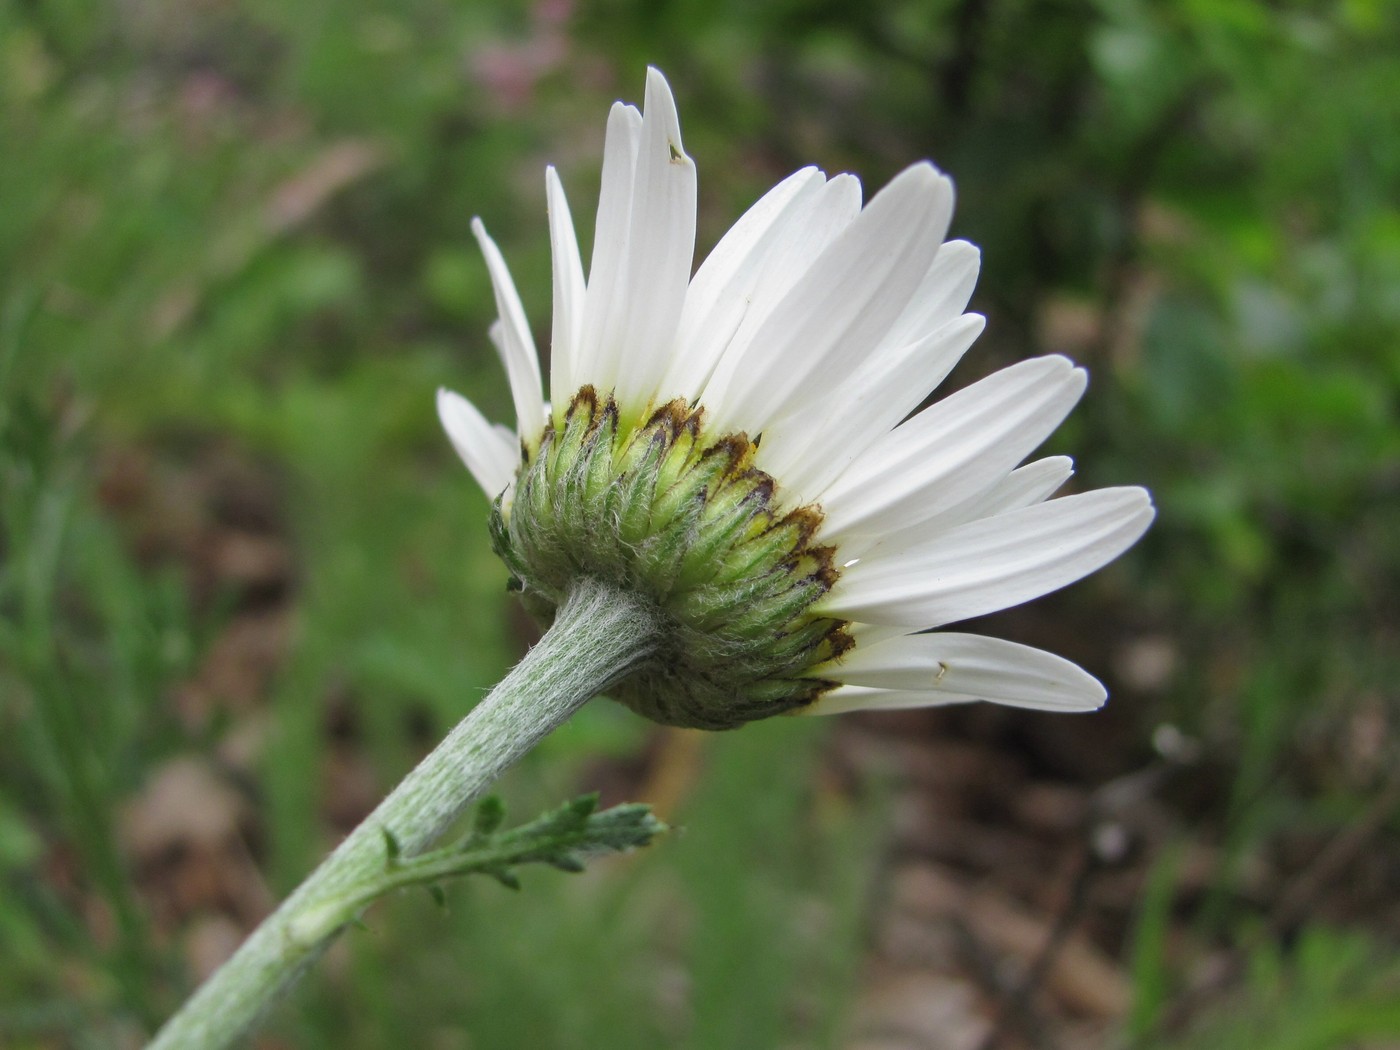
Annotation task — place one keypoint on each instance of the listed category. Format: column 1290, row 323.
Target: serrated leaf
column 564, row 838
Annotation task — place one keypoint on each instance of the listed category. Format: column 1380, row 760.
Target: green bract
column 687, row 524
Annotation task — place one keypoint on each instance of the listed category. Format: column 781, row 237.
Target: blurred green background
column 244, row 581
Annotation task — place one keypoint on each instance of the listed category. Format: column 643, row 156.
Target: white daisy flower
column 737, row 446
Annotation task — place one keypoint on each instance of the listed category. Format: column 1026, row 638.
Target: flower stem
column 599, row 634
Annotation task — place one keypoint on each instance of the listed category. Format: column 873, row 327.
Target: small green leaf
column 570, row 862
column 583, row 806
column 505, row 877
column 565, row 838
column 490, row 814
column 392, row 849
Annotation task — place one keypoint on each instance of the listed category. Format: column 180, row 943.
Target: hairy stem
column 598, row 636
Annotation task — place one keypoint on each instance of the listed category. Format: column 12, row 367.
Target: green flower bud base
column 692, row 530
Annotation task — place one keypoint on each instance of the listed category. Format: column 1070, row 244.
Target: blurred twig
column 1018, row 1003
column 1018, row 1009
column 1098, row 852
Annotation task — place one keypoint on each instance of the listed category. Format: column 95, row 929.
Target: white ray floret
column 777, row 262
column 490, row 452
column 952, row 451
column 605, row 303
column 918, row 351
column 816, row 444
column 569, row 288
column 1023, row 487
column 819, row 437
column 721, row 292
column 947, row 668
column 660, row 240
column 984, row 566
column 850, row 297
column 513, row 340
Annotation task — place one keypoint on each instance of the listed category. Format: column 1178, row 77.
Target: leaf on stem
column 490, row 814
column 392, row 849
column 563, row 838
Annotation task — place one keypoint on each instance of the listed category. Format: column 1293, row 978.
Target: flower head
column 737, row 447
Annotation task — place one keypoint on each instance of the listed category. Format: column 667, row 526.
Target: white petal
column 516, row 345
column 569, row 290
column 912, row 358
column 942, row 294
column 952, row 451
column 992, row 564
column 798, row 239
column 802, row 238
column 814, row 445
column 941, row 668
column 660, row 249
column 1023, row 487
column 490, row 452
column 843, row 306
column 845, row 699
column 508, row 437
column 721, row 292
column 819, row 437
column 605, row 302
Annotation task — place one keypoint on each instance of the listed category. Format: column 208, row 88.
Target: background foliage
column 234, row 265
